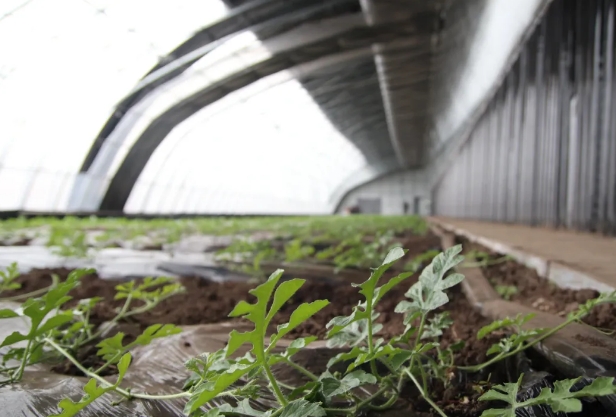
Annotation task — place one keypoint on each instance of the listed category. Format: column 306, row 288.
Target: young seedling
column 8, row 282
column 483, row 259
column 506, row 291
column 215, row 382
column 54, row 333
column 8, row 277
column 522, row 339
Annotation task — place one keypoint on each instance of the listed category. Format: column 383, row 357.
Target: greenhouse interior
column 308, row 208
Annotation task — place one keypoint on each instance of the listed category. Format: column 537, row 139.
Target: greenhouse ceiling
column 262, row 106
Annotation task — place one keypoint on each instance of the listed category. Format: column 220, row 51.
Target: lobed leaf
column 332, row 387
column 300, row 315
column 303, row 408
column 209, row 391
column 7, row 313
column 518, row 321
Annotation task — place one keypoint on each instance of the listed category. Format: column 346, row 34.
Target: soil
column 20, row 242
column 210, row 302
column 539, row 293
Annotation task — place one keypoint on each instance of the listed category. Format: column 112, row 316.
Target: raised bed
column 446, row 385
column 523, row 285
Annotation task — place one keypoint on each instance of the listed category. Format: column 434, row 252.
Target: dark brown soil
column 537, row 292
column 21, row 242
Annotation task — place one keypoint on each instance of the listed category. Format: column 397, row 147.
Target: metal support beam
column 355, row 38
column 405, row 97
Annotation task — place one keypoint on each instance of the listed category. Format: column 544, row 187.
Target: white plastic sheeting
column 64, row 65
column 265, row 148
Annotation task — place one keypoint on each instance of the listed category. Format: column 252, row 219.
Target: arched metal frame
column 356, row 38
column 330, row 92
column 406, row 61
column 259, row 16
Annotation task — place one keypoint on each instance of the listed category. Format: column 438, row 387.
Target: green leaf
column 13, row 338
column 300, row 315
column 340, row 322
column 559, row 398
column 110, row 347
column 243, row 408
column 303, row 408
column 354, row 334
column 210, row 391
column 370, row 292
column 333, row 387
column 344, row 356
column 306, row 391
column 156, row 331
column 298, row 344
column 494, row 412
column 92, row 392
column 384, row 289
column 7, row 313
column 54, row 322
column 428, row 293
column 599, row 387
column 237, row 339
column 517, row 321
column 399, row 358
column 436, row 325
column 283, row 293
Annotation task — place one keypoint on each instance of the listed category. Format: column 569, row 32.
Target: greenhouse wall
column 399, row 193
column 544, row 150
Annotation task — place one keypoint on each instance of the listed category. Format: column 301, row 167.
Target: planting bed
column 331, row 253
column 207, row 302
column 526, row 287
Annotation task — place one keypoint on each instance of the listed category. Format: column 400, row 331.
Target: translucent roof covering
column 266, row 148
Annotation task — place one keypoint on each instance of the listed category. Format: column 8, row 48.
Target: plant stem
column 107, row 384
column 34, row 293
column 119, row 316
column 279, row 395
column 159, row 396
column 477, row 368
column 367, row 401
column 301, row 369
column 24, row 359
column 422, row 323
column 371, row 341
column 86, row 372
column 392, row 400
column 287, row 386
column 423, row 394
